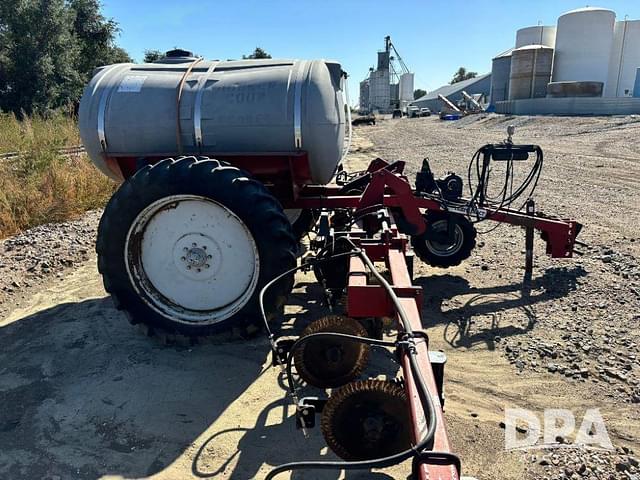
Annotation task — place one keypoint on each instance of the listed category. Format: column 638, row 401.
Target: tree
column 151, row 56
column 417, row 93
column 462, row 75
column 95, row 35
column 257, row 53
column 48, row 49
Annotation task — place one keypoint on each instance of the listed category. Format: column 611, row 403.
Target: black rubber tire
column 463, row 227
column 247, row 198
column 303, row 224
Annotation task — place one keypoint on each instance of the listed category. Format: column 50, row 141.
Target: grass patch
column 41, row 185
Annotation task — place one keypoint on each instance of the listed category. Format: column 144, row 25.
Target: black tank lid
column 178, row 52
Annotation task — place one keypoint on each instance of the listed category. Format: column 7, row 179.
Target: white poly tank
column 184, row 105
column 583, row 45
column 625, row 59
column 537, row 35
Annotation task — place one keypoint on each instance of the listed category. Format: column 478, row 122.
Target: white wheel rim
column 443, row 249
column 192, row 259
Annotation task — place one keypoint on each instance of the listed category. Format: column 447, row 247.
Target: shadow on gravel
column 480, row 318
column 272, row 444
column 83, row 394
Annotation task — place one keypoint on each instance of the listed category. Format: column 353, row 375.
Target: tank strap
column 104, row 101
column 197, row 106
column 178, row 98
column 297, row 105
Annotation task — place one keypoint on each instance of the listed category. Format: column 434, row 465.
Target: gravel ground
column 30, row 259
column 87, row 394
column 579, row 318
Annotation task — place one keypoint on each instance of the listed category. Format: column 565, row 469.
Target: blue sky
column 433, row 37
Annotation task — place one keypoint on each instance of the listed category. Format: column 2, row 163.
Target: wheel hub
column 196, row 257
column 192, row 259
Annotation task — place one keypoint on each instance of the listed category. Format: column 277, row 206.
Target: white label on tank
column 131, row 83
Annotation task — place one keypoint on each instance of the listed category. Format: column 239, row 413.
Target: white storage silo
column 406, row 87
column 537, row 35
column 625, row 59
column 583, row 45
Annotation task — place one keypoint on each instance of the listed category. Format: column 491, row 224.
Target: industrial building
column 389, row 85
column 587, row 64
column 479, row 86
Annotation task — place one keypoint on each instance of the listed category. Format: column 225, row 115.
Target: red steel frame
column 364, row 300
column 288, row 176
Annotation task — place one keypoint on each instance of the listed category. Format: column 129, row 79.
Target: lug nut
column 208, row 256
column 183, row 258
column 199, row 270
column 206, row 265
column 204, row 247
column 188, row 267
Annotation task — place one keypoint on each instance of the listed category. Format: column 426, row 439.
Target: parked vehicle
column 364, row 120
column 425, row 112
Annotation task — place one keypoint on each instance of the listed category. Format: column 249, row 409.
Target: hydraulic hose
column 425, row 397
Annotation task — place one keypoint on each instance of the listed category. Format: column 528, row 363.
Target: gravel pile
column 574, row 464
column 29, row 259
column 596, row 337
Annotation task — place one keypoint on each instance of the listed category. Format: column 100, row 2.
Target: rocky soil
column 578, row 319
column 85, row 391
column 31, row 259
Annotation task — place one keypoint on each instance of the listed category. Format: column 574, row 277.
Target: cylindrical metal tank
column 583, row 45
column 537, row 35
column 500, row 71
column 192, row 106
column 406, row 87
column 574, row 89
column 530, row 72
column 625, row 59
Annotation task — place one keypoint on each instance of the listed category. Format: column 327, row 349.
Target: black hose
column 507, row 195
column 423, row 390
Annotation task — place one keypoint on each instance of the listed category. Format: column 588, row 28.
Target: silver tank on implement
column 186, row 105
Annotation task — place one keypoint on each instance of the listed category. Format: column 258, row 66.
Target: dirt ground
column 85, row 395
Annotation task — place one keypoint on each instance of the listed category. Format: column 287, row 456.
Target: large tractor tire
column 443, row 252
column 185, row 246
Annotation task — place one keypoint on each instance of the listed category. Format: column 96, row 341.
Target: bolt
column 185, row 249
column 183, row 258
column 188, row 267
column 194, row 244
column 206, row 265
column 209, row 256
column 204, row 247
column 199, row 270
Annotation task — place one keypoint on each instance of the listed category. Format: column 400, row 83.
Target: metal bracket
column 306, row 411
column 281, row 352
column 297, row 106
column 197, row 106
